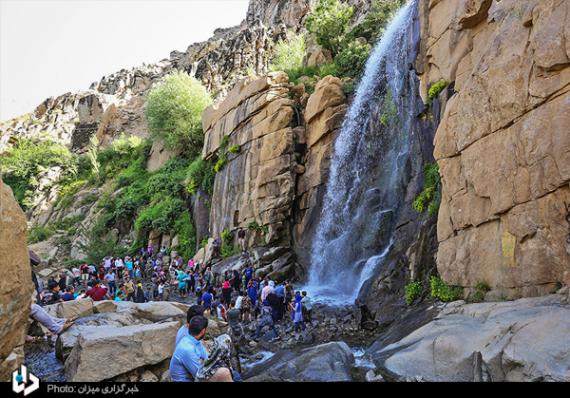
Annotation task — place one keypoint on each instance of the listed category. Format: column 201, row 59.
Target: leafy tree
column 329, row 23
column 174, row 111
column 289, row 54
column 351, row 60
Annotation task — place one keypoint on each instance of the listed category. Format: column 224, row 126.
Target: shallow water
column 41, row 361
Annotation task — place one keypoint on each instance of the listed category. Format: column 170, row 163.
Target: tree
column 329, row 23
column 174, row 111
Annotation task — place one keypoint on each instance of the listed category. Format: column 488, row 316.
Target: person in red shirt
column 98, row 293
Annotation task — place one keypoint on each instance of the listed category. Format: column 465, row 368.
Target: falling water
column 367, row 179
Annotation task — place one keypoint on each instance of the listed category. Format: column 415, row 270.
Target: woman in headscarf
column 298, row 313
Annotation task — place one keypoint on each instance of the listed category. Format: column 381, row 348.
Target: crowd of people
column 232, row 296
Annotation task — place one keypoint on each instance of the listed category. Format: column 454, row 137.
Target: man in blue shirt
column 190, row 354
column 206, row 300
column 192, row 312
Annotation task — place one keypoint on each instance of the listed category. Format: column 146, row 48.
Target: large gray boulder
column 70, row 309
column 522, row 340
column 326, row 362
column 102, row 352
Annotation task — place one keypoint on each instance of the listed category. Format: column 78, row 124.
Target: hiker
column 241, row 239
column 226, row 292
column 149, row 248
column 267, row 290
column 252, row 295
column 307, row 306
column 160, row 291
column 97, row 292
column 55, row 325
column 110, row 279
column 51, row 295
column 84, row 274
column 190, row 356
column 68, row 295
column 206, row 301
column 139, row 294
column 216, row 245
column 298, row 313
column 193, row 311
column 129, row 289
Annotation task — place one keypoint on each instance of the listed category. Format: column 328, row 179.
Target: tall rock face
column 16, row 284
column 258, row 182
column 503, row 145
column 323, row 115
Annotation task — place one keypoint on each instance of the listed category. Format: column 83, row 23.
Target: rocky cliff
column 503, row 145
column 16, row 284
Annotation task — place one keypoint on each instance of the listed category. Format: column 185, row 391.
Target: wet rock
column 325, row 362
column 371, row 376
column 104, row 306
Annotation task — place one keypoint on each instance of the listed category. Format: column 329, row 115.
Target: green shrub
column 174, row 111
column 288, row 55
column 200, row 174
column 160, row 216
column 39, row 234
column 376, row 20
column 437, row 88
column 442, row 291
column 329, row 23
column 481, row 289
column 429, row 198
column 412, row 291
column 68, row 224
column 168, row 180
column 27, row 159
column 234, row 149
column 351, row 60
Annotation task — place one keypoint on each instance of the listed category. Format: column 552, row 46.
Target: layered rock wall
column 503, row 145
column 16, row 284
column 258, row 183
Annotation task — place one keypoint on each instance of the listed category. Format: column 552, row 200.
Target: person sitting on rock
column 51, row 295
column 68, row 295
column 193, row 311
column 55, row 325
column 190, row 355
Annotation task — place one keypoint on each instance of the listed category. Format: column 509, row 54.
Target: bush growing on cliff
column 412, row 291
column 174, row 111
column 39, row 234
column 329, row 23
column 437, row 88
column 184, row 229
column 351, row 60
column 429, row 198
column 161, row 215
column 27, row 160
column 442, row 291
column 288, row 55
column 200, row 174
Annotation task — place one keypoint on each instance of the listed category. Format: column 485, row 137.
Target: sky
column 50, row 47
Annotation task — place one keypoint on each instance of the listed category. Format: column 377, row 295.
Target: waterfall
column 368, row 178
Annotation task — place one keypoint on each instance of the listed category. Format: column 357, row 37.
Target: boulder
column 148, row 376
column 522, row 340
column 104, row 306
column 130, row 347
column 15, row 285
column 155, row 311
column 71, row 309
column 330, row 362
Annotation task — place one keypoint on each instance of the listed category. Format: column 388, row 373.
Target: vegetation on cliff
column 174, row 111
